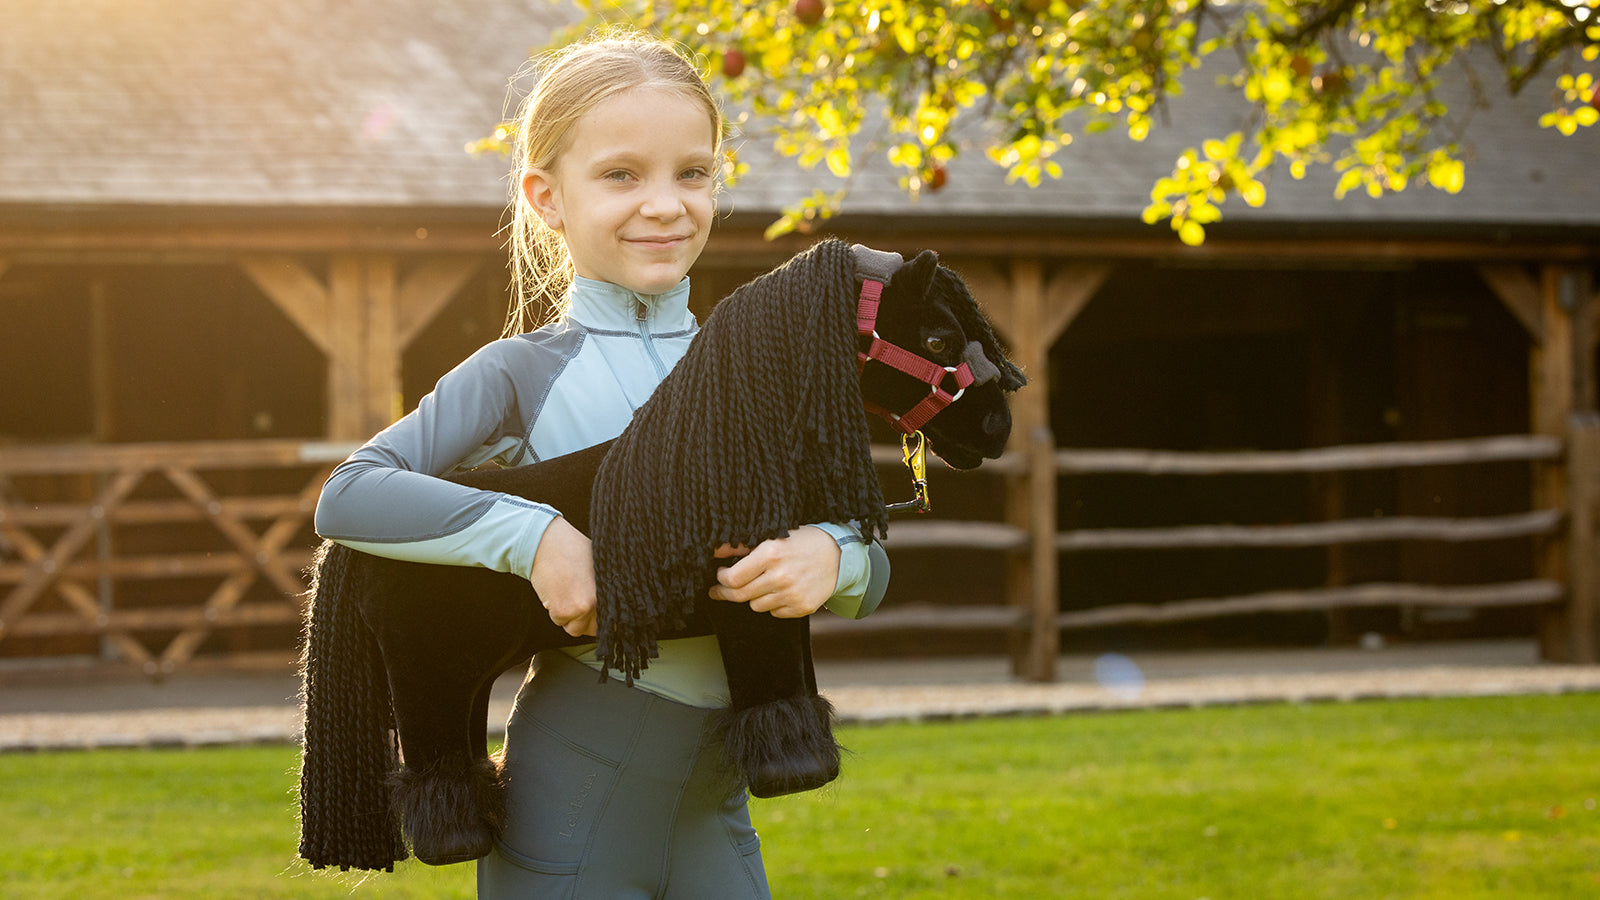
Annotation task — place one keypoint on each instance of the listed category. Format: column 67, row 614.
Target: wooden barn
column 236, row 239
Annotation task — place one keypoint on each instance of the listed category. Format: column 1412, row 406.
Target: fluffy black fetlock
column 783, row 747
column 450, row 814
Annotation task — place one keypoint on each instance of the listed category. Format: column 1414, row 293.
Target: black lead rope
column 917, row 461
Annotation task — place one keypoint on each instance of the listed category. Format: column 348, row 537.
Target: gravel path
column 233, row 708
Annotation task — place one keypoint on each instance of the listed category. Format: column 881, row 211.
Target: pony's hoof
column 793, row 775
column 450, row 813
column 782, row 747
column 461, row 848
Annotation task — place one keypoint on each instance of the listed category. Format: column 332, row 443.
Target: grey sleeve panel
column 877, row 579
column 863, row 572
column 386, row 495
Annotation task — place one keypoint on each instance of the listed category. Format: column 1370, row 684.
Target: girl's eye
column 618, row 175
column 694, row 174
column 935, row 344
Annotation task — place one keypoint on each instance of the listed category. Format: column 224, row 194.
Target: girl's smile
column 632, row 193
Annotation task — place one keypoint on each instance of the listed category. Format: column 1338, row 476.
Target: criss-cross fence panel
column 64, row 509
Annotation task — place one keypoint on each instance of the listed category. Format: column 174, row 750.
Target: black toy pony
column 759, row 429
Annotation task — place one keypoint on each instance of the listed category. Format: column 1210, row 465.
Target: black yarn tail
column 349, row 748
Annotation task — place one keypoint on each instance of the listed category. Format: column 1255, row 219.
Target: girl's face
column 632, row 193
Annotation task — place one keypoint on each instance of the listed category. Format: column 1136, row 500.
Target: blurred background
column 237, row 239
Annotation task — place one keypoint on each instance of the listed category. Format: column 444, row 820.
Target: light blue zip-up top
column 519, row 400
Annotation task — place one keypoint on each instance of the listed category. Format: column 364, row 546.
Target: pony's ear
column 917, row 275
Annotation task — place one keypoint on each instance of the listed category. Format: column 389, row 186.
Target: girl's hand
column 788, row 577
column 563, row 577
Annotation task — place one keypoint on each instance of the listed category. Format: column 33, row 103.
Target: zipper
column 642, row 315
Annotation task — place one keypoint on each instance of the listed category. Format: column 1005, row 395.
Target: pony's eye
column 935, row 344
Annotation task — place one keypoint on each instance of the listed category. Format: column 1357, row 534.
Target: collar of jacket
column 603, row 306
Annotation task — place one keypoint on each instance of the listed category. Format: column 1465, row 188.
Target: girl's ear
column 539, row 189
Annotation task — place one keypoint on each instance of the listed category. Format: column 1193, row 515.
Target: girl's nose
column 662, row 203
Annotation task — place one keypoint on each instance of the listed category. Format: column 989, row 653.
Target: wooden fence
column 62, row 572
column 64, row 568
column 1566, row 565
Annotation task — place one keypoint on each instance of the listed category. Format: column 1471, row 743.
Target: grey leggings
column 616, row 793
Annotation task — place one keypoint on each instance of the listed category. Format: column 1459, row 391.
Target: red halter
column 903, row 360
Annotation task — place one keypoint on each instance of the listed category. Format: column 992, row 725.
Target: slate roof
column 367, row 104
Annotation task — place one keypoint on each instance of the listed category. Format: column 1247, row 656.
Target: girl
column 612, row 790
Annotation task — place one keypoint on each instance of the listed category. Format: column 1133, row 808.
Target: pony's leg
column 778, row 734
column 442, row 654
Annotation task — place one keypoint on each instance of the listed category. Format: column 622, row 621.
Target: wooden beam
column 57, row 459
column 1577, row 298
column 1346, row 458
column 1481, row 596
column 427, row 288
column 1519, row 291
column 103, row 380
column 734, row 245
column 347, row 377
column 5, row 264
column 1550, row 381
column 1032, row 498
column 296, row 291
column 1046, row 564
column 1331, row 533
column 1070, row 290
column 381, row 347
column 1594, row 320
column 1583, row 538
column 737, row 243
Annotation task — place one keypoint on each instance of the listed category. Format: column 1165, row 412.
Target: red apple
column 1000, row 19
column 1300, row 65
column 733, row 63
column 935, row 178
column 1329, row 81
column 809, row 12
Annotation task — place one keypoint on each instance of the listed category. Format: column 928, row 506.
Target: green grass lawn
column 1453, row 799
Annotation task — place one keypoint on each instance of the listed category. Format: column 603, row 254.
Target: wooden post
column 1033, row 497
column 1045, row 577
column 102, row 391
column 1583, row 538
column 1575, row 295
column 1038, row 313
column 347, row 336
column 362, row 319
column 382, row 398
column 1551, row 382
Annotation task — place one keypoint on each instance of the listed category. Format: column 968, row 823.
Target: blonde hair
column 571, row 81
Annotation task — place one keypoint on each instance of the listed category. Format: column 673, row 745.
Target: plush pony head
column 928, row 310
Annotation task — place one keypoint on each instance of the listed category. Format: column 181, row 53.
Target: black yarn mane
column 976, row 327
column 758, row 430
